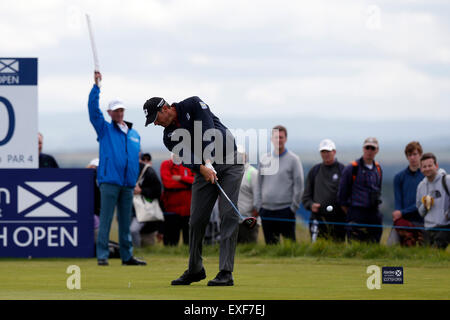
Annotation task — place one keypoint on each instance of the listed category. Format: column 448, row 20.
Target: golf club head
column 250, row 222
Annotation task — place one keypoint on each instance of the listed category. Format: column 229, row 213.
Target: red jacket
column 176, row 196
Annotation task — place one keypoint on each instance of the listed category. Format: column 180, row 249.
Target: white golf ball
column 330, row 208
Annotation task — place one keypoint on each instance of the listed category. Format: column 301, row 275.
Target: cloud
column 133, row 91
column 243, row 57
column 388, row 89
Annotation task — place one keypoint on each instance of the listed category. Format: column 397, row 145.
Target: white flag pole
column 94, row 48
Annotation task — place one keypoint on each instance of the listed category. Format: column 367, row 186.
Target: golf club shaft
column 229, row 200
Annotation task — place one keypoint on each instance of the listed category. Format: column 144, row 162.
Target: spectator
column 320, row 196
column 433, row 202
column 360, row 194
column 146, row 158
column 279, row 194
column 248, row 200
column 143, row 233
column 177, row 181
column 405, row 189
column 45, row 160
column 117, row 174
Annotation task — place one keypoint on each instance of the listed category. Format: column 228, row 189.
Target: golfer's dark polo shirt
column 189, row 111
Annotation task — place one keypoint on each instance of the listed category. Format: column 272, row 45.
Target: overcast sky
column 329, row 59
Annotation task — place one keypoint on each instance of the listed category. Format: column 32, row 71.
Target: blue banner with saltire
column 47, row 212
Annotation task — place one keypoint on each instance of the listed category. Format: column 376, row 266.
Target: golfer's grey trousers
column 204, row 196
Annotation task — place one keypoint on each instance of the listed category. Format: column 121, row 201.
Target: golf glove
column 210, row 166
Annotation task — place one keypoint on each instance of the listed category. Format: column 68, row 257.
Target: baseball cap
column 371, row 141
column 115, row 104
column 327, row 145
column 151, row 108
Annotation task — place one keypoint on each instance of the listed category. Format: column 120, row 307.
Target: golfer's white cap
column 115, row 104
column 327, row 145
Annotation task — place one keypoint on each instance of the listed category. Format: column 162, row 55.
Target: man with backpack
column 360, row 195
column 433, row 202
column 320, row 196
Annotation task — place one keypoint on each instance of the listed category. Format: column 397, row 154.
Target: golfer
column 212, row 157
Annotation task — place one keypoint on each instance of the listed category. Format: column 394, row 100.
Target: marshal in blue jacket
column 119, row 152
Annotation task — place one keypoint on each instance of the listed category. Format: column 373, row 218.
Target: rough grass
column 319, row 249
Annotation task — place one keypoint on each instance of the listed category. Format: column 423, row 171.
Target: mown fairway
column 289, row 272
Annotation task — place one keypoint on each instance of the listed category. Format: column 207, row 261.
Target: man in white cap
column 320, row 196
column 117, row 174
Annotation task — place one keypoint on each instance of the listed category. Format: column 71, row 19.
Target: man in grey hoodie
column 279, row 191
column 433, row 202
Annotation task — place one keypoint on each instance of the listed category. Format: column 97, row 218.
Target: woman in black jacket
column 150, row 188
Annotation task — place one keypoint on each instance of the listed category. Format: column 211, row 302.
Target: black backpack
column 355, row 165
column 444, row 184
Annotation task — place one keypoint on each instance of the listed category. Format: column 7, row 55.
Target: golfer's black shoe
column 223, row 278
column 134, row 262
column 102, row 262
column 187, row 278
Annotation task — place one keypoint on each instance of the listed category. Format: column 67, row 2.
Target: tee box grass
column 288, row 271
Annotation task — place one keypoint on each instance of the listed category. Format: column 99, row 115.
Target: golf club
column 249, row 222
